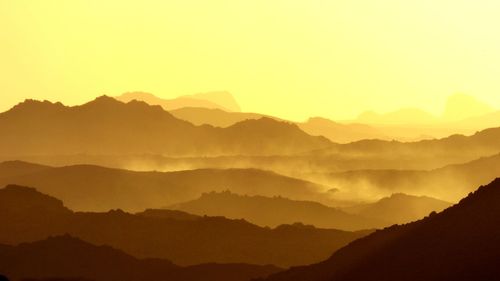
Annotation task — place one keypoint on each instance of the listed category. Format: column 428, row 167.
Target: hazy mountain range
column 73, row 259
column 211, row 100
column 462, row 114
column 87, row 187
column 27, row 215
column 451, row 182
column 107, row 126
column 267, row 211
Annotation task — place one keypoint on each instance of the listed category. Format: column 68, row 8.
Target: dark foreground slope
column 27, row 215
column 68, row 257
column 460, row 243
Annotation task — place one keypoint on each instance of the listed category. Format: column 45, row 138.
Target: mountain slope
column 267, row 211
column 460, row 243
column 86, row 187
column 399, row 208
column 106, row 126
column 68, row 257
column 27, row 215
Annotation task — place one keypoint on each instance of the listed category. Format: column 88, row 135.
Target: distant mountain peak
column 223, row 98
column 461, row 106
column 212, row 100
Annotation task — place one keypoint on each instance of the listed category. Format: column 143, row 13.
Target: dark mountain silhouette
column 106, row 126
column 86, row 187
column 460, row 243
column 168, row 214
column 211, row 100
column 399, row 208
column 27, row 215
column 68, row 257
column 267, row 211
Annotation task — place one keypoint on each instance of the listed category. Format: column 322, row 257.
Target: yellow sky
column 288, row 58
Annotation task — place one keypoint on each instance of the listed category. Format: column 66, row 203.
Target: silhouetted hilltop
column 267, row 211
column 87, row 187
column 106, row 126
column 168, row 214
column 14, row 196
column 72, row 258
column 155, row 235
column 399, row 208
column 460, row 243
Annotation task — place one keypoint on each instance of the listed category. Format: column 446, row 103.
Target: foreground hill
column 267, row 211
column 107, row 126
column 460, row 243
column 68, row 257
column 27, row 215
column 399, row 208
column 86, row 187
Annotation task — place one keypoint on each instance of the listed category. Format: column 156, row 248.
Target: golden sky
column 294, row 58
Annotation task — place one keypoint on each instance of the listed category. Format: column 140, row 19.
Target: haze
column 293, row 59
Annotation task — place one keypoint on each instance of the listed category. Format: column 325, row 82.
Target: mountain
column 402, row 116
column 460, row 243
column 223, row 98
column 267, row 211
column 69, row 257
column 213, row 100
column 106, row 126
column 87, row 187
column 399, row 208
column 339, row 132
column 449, row 150
column 461, row 106
column 27, row 215
column 317, row 126
column 214, row 117
column 450, row 182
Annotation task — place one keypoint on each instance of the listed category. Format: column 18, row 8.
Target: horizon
column 331, row 59
column 353, row 120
